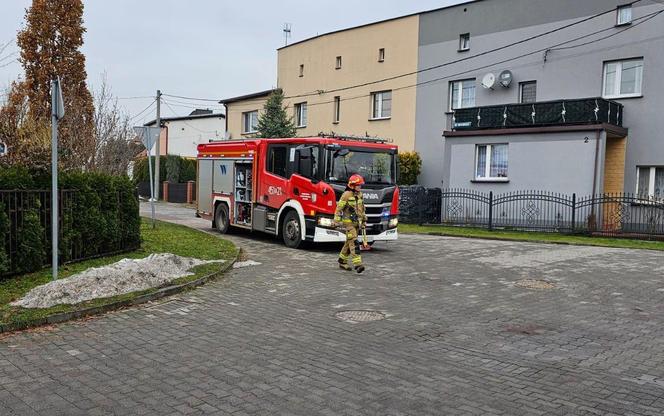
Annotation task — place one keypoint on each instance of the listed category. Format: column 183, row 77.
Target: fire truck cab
column 289, row 187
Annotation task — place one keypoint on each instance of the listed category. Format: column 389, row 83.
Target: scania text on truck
column 289, row 187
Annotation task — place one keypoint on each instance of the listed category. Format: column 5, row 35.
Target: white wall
column 185, row 135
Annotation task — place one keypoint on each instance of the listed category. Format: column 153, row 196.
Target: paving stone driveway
column 458, row 337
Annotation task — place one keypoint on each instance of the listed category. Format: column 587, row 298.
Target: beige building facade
column 315, row 75
column 242, row 114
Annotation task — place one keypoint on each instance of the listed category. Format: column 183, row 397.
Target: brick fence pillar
column 164, row 191
column 190, row 192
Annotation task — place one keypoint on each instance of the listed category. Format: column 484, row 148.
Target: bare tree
column 115, row 142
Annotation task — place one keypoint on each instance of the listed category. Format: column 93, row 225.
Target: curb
column 98, row 310
column 523, row 240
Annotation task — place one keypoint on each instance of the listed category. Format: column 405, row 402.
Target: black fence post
column 490, row 210
column 573, row 211
column 420, row 205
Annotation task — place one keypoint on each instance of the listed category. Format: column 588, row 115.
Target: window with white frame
column 464, row 42
column 624, row 15
column 381, row 105
column 462, row 94
column 337, row 109
column 338, row 63
column 250, row 122
column 301, row 114
column 650, row 181
column 623, row 79
column 491, row 162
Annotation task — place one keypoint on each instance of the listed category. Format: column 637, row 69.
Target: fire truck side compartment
column 222, row 181
column 204, row 191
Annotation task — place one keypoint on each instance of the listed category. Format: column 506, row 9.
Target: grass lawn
column 540, row 237
column 166, row 238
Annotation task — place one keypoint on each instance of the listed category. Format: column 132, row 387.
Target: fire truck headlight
column 325, row 222
column 393, row 222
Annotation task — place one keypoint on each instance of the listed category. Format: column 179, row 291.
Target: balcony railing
column 545, row 113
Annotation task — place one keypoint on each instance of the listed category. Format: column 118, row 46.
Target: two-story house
column 575, row 110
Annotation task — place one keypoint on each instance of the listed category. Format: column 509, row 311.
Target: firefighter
column 350, row 215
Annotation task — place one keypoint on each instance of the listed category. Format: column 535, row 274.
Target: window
column 338, row 65
column 381, row 54
column 301, row 115
column 528, row 92
column 462, row 94
column 381, row 105
column 464, row 42
column 624, row 15
column 623, row 78
column 491, row 162
column 250, row 122
column 277, row 160
column 337, row 109
column 650, row 181
column 301, row 70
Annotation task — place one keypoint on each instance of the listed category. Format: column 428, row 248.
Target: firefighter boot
column 359, row 268
column 343, row 263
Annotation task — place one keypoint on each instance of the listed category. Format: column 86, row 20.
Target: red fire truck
column 289, row 187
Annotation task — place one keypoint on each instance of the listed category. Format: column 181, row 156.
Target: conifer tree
column 274, row 122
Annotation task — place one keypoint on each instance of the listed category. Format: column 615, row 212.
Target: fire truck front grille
column 377, row 212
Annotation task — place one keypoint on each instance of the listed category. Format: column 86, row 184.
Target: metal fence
column 18, row 204
column 609, row 214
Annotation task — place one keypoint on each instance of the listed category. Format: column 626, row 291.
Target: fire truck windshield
column 375, row 167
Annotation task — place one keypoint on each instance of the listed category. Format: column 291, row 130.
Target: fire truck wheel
column 291, row 230
column 221, row 218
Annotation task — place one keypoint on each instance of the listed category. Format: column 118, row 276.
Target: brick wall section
column 614, row 179
column 614, row 165
column 164, row 193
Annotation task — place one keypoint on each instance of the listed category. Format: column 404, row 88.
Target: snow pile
column 124, row 276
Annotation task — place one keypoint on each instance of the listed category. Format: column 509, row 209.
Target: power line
column 638, row 21
column 144, row 110
column 136, row 98
column 192, row 105
column 509, row 45
column 194, row 99
column 187, row 124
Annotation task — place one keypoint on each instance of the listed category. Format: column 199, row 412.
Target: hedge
column 174, row 169
column 99, row 215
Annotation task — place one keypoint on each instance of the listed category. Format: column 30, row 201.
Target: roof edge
column 247, row 96
column 378, row 22
column 189, row 117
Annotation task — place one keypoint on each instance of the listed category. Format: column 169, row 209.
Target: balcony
column 584, row 111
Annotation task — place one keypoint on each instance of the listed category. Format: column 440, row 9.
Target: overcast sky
column 197, row 48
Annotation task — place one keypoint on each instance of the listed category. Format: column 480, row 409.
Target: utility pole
column 157, row 151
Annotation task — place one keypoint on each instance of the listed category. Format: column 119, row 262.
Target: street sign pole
column 148, row 136
column 57, row 112
column 151, row 189
column 157, row 157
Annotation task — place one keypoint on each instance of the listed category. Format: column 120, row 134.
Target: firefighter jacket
column 350, row 208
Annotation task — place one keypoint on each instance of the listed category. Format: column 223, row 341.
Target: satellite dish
column 489, row 80
column 505, row 78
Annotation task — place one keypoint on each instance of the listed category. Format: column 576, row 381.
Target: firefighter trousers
column 348, row 255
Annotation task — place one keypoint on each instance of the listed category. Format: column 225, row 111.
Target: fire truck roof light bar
column 367, row 138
